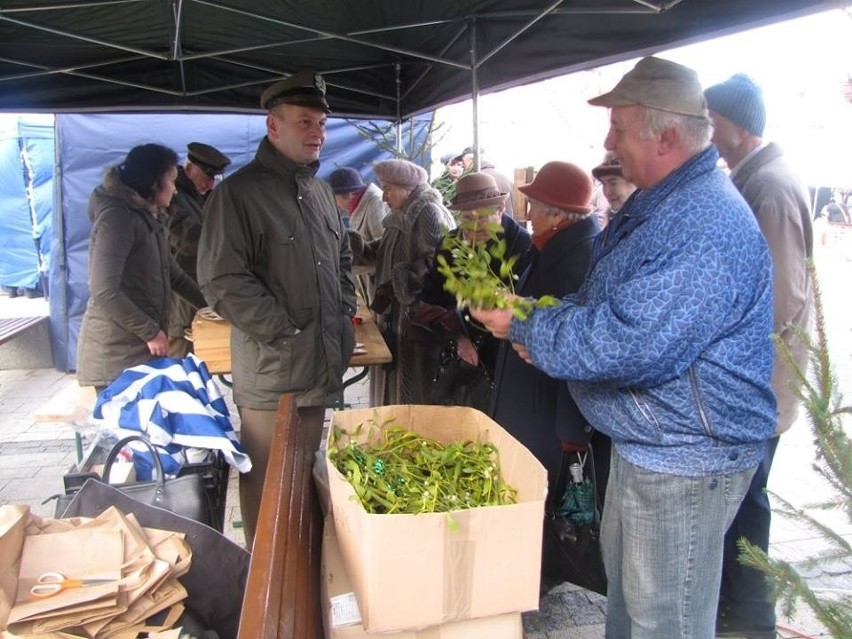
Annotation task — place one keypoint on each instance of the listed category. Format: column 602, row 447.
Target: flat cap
column 208, row 158
column 305, row 88
column 658, row 84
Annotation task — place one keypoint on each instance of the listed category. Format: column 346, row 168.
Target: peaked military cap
column 305, row 88
column 208, row 158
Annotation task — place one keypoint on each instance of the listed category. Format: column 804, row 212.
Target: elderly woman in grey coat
column 131, row 272
column 403, row 257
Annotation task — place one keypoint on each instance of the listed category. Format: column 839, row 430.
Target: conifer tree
column 822, row 402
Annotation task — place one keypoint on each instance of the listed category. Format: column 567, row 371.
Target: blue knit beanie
column 345, row 180
column 740, row 100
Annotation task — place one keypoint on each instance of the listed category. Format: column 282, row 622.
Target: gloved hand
column 430, row 315
column 356, row 242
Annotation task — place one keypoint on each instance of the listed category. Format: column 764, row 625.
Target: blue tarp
column 88, row 144
column 22, row 228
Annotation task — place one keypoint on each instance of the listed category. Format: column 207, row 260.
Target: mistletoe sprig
column 470, row 275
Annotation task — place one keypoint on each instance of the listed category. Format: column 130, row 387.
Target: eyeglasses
column 477, row 214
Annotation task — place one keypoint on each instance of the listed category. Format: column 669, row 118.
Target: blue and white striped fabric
column 178, row 405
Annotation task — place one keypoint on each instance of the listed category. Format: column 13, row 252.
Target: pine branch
column 823, row 404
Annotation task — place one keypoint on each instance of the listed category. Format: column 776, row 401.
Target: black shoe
column 729, row 624
column 11, row 291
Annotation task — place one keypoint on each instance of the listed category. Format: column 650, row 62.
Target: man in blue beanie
column 780, row 205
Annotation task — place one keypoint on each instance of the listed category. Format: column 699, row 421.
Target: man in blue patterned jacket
column 666, row 349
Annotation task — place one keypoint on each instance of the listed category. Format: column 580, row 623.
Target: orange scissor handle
column 51, row 583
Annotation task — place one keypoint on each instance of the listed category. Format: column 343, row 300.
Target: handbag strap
column 158, row 465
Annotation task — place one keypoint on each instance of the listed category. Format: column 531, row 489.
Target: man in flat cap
column 274, row 260
column 782, row 209
column 615, row 188
column 194, row 181
column 667, row 350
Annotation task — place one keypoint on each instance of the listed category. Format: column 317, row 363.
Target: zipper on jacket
column 643, row 408
column 699, row 404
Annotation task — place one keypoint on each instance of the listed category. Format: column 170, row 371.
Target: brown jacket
column 131, row 277
column 781, row 207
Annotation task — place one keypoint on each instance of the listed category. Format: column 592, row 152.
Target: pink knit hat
column 401, row 173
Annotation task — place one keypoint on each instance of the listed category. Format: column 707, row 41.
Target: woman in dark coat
column 480, row 204
column 536, row 409
column 131, row 272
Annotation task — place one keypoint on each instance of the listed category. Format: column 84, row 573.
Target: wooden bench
column 282, row 597
column 11, row 327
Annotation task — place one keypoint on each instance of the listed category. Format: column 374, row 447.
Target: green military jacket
column 274, row 261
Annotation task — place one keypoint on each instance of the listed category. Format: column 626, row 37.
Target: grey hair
column 694, row 131
column 548, row 209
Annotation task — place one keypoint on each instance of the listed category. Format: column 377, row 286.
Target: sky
column 800, row 65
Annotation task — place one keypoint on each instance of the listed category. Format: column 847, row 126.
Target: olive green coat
column 274, row 260
column 184, row 225
column 131, row 277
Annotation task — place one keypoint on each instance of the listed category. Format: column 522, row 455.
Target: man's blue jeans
column 662, row 538
column 745, row 591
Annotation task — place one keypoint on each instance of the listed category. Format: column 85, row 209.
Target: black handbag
column 571, row 544
column 186, row 496
column 453, row 372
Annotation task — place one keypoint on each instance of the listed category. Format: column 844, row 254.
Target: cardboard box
column 342, row 620
column 416, row 571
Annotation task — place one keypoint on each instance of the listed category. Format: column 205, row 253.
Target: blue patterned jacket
column 667, row 345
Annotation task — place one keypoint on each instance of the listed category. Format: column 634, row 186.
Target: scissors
column 52, row 583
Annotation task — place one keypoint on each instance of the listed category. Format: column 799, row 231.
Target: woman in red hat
column 562, row 234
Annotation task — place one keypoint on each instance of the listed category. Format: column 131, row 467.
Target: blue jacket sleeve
column 647, row 329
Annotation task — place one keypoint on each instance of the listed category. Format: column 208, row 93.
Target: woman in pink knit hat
column 402, row 257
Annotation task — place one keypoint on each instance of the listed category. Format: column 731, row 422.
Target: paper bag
column 78, row 554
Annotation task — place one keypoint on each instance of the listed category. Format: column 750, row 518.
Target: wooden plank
column 74, row 403
column 523, row 176
column 282, row 598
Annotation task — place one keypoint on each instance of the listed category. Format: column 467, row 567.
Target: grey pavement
column 41, row 410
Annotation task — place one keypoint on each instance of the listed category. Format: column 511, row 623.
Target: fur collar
column 114, row 187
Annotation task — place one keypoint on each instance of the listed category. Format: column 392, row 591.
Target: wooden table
column 211, row 340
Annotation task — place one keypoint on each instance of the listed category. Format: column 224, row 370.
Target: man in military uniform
column 274, row 260
column 194, row 181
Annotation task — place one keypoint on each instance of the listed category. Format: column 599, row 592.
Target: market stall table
column 211, row 338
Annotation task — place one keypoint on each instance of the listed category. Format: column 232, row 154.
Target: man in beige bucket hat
column 666, row 348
